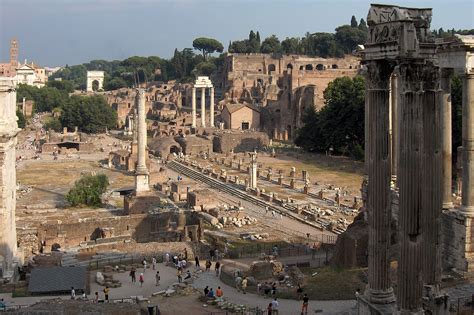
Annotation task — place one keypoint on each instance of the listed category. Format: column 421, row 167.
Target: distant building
column 9, row 69
column 31, row 74
column 241, row 117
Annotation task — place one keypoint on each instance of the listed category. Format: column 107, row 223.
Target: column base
column 380, row 296
column 141, row 183
column 365, row 307
column 467, row 211
column 448, row 205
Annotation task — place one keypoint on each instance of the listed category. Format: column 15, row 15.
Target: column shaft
column 446, row 123
column 379, row 203
column 432, row 185
column 141, row 164
column 394, row 122
column 203, row 107
column 410, row 280
column 211, row 109
column 193, row 106
column 468, row 144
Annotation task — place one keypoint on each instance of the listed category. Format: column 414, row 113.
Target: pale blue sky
column 56, row 32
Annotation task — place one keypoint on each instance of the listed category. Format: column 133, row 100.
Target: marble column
column 394, row 123
column 211, row 109
column 253, row 170
column 445, row 107
column 203, row 107
column 193, row 106
column 468, row 144
column 141, row 172
column 420, row 184
column 379, row 289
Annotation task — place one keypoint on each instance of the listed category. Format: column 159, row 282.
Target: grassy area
column 332, row 284
column 20, row 291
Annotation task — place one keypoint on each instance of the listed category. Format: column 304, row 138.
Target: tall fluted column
column 141, row 172
column 193, row 106
column 468, row 144
column 446, row 123
column 203, row 107
column 211, row 109
column 432, row 178
column 380, row 290
column 420, row 182
column 394, row 123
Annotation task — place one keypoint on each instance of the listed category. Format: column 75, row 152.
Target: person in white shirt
column 275, row 306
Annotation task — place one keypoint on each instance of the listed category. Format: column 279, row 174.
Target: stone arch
column 320, row 67
column 95, row 85
column 174, row 149
column 289, row 66
column 308, row 67
column 271, row 68
column 334, row 66
column 93, row 76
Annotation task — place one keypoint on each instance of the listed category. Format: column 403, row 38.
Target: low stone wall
column 240, row 142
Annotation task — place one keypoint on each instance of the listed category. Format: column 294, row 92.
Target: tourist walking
column 167, row 258
column 188, row 275
column 238, row 283
column 132, row 275
column 304, row 307
column 144, row 264
column 270, row 309
column 299, row 292
column 141, row 279
column 106, row 294
column 153, row 262
column 179, row 275
column 275, row 305
column 185, row 254
column 208, row 265
column 157, row 278
column 96, row 297
column 274, row 288
column 73, row 293
column 243, row 285
column 218, row 266
column 206, row 290
column 196, row 259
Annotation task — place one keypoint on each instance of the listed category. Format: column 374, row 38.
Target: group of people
column 209, row 293
column 267, row 288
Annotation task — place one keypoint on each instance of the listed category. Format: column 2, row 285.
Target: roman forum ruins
column 227, row 178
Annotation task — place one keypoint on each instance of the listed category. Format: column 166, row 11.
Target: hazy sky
column 56, row 32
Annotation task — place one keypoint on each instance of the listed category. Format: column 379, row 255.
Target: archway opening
column 174, row 149
column 95, row 85
column 319, row 67
column 271, row 68
column 289, row 66
column 308, row 67
column 335, row 66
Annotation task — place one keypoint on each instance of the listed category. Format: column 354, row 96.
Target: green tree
column 271, row 45
column 349, row 37
column 363, row 25
column 91, row 114
column 207, row 46
column 53, row 123
column 204, row 68
column 239, row 47
column 21, row 119
column 292, row 45
column 63, row 85
column 87, row 191
column 340, row 124
column 253, row 43
column 353, row 21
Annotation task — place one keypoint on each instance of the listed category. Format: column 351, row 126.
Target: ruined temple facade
column 284, row 87
column 8, row 139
